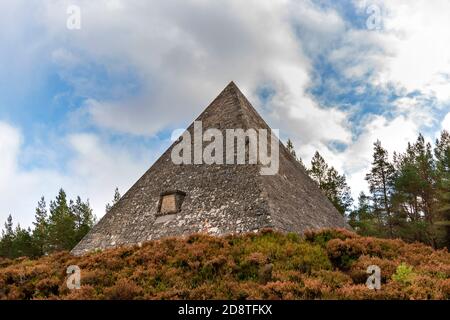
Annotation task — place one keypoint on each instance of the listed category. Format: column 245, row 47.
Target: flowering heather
column 326, row 264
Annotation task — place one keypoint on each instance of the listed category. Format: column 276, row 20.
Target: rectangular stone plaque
column 168, row 204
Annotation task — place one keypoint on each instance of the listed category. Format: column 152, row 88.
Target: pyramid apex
column 232, row 85
column 233, row 89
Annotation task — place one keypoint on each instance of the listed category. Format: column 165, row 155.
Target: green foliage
column 40, row 232
column 290, row 148
column 332, row 184
column 409, row 197
column 61, row 224
column 61, row 228
column 23, row 244
column 84, row 218
column 116, row 199
column 442, row 154
column 404, row 274
column 6, row 243
column 338, row 191
column 319, row 170
column 381, row 185
column 323, row 236
column 16, row 242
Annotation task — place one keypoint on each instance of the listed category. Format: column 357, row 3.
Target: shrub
column 343, row 253
column 358, row 270
column 124, row 289
column 332, row 279
column 329, row 264
column 86, row 292
column 445, row 288
column 48, row 287
column 322, row 236
column 404, row 274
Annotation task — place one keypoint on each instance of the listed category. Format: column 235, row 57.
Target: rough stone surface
column 219, row 199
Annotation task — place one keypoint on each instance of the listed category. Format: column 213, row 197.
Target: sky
column 89, row 109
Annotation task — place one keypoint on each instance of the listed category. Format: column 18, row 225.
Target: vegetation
column 327, row 264
column 116, row 199
column 409, row 194
column 332, row 184
column 58, row 228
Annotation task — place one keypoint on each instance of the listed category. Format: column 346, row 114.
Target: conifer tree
column 332, row 184
column 84, row 218
column 41, row 229
column 362, row 218
column 6, row 244
column 415, row 197
column 23, row 245
column 442, row 154
column 116, row 199
column 381, row 185
column 319, row 170
column 338, row 191
column 62, row 224
column 290, row 148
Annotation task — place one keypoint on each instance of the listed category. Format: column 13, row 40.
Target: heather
column 325, row 264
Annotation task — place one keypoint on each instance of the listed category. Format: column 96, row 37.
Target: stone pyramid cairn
column 180, row 199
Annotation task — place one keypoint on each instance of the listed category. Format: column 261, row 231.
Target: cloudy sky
column 90, row 109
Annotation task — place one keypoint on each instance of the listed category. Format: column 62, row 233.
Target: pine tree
column 9, row 232
column 41, row 229
column 290, row 148
column 301, row 163
column 442, row 154
column 362, row 219
column 415, row 193
column 6, row 243
column 84, row 218
column 60, row 230
column 23, row 245
column 406, row 197
column 332, row 184
column 62, row 224
column 116, row 199
column 426, row 169
column 338, row 191
column 319, row 170
column 381, row 185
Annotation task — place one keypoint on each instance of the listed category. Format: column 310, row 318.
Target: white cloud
column 18, row 190
column 416, row 34
column 10, row 140
column 356, row 159
column 446, row 122
column 93, row 172
column 186, row 52
column 182, row 53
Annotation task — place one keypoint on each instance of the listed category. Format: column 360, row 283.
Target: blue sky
column 91, row 109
